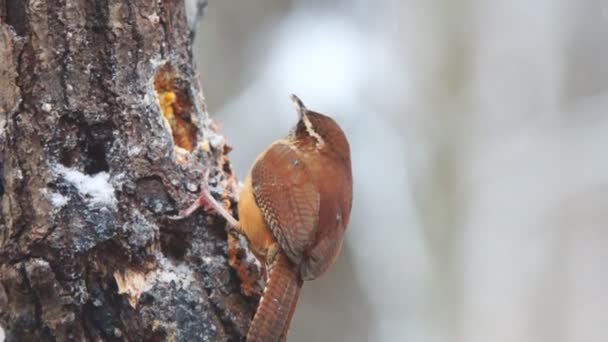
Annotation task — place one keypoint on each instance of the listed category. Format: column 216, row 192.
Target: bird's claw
column 205, row 199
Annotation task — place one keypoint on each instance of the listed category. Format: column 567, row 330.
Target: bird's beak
column 299, row 105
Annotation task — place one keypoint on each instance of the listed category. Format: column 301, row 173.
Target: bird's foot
column 206, row 200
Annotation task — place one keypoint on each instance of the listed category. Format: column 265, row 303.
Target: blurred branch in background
column 477, row 132
column 195, row 9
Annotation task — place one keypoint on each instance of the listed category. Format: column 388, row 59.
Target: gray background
column 478, row 135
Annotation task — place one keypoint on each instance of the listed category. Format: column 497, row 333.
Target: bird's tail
column 278, row 303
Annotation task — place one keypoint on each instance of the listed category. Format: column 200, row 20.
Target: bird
column 294, row 209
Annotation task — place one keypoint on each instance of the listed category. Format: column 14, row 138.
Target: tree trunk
column 103, row 135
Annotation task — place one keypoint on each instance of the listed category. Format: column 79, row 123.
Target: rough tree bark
column 103, row 135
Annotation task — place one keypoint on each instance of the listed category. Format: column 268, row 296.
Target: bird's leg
column 251, row 274
column 205, row 199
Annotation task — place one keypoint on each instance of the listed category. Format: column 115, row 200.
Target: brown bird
column 294, row 209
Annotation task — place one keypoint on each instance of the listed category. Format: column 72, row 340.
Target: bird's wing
column 287, row 198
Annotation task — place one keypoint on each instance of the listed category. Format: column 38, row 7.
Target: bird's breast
column 252, row 222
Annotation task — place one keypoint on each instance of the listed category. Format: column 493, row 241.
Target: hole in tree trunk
column 96, row 159
column 67, row 157
column 176, row 106
column 175, row 244
column 151, row 193
column 16, row 16
column 83, row 145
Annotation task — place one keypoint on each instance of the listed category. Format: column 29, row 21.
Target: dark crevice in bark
column 99, row 311
column 26, row 75
column 96, row 158
column 228, row 321
column 46, row 332
column 97, row 28
column 175, row 244
column 25, row 69
column 24, row 201
column 165, row 26
column 98, row 139
column 86, row 143
column 39, row 325
column 41, row 249
column 136, row 35
column 66, row 139
column 16, row 16
column 65, row 55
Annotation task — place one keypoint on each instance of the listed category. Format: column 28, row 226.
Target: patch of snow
column 192, row 187
column 96, row 189
column 168, row 272
column 47, row 107
column 208, row 260
column 39, row 262
column 19, row 174
column 134, row 150
column 250, row 258
column 118, row 180
column 57, row 200
column 2, row 336
column 154, row 18
column 165, row 276
column 148, row 97
column 2, row 124
column 216, row 140
column 157, row 61
column 141, row 231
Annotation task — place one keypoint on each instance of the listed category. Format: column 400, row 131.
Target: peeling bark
column 90, row 169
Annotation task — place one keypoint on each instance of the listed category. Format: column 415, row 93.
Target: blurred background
column 477, row 129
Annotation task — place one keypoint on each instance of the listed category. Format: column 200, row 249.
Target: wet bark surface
column 103, row 136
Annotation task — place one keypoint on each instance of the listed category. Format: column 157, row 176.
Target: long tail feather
column 272, row 319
